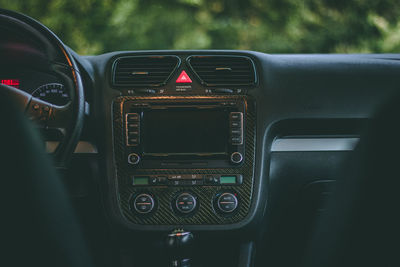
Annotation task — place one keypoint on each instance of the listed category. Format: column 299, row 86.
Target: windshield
column 271, row 26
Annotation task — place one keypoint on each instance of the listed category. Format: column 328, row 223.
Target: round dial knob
column 143, row 203
column 185, row 203
column 227, row 202
column 133, row 158
column 236, row 157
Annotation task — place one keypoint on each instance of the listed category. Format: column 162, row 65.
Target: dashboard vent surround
column 138, row 71
column 223, row 70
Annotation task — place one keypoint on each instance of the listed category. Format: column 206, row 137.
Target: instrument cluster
column 42, row 85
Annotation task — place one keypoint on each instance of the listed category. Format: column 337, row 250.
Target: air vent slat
column 145, row 65
column 141, row 72
column 224, row 70
column 141, row 78
column 213, row 69
column 144, row 70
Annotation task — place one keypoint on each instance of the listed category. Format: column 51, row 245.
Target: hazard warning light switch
column 183, row 78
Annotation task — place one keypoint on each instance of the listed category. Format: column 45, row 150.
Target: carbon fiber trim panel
column 164, row 214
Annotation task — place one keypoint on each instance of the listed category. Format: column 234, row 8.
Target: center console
column 184, row 160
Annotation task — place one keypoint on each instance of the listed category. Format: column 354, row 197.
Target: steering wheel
column 54, row 58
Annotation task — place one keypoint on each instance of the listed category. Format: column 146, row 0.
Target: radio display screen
column 186, row 131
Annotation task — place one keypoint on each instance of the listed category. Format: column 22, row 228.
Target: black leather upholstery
column 39, row 227
column 363, row 224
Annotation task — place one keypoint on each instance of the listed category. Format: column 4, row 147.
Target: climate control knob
column 227, row 202
column 185, row 203
column 143, row 203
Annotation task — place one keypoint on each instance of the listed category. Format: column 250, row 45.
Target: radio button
column 133, row 133
column 186, row 176
column 162, row 180
column 175, row 177
column 132, row 117
column 133, row 158
column 194, row 176
column 211, row 180
column 153, row 180
column 176, row 182
column 133, row 126
column 236, row 140
column 236, row 116
column 133, row 140
column 196, row 182
column 235, row 124
column 236, row 131
column 185, row 203
column 184, row 182
column 236, row 157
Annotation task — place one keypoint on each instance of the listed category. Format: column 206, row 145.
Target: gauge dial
column 54, row 93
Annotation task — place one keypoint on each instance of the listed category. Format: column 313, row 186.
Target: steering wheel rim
column 55, row 47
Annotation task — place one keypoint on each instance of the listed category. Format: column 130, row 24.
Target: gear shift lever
column 179, row 244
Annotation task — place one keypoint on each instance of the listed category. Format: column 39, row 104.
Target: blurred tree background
column 271, row 26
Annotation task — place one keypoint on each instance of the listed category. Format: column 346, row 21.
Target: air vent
column 223, row 70
column 139, row 71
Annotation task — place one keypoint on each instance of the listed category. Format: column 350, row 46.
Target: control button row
column 236, row 128
column 185, row 176
column 185, row 203
column 132, row 129
column 187, row 180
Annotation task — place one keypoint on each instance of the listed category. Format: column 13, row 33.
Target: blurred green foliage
column 271, row 26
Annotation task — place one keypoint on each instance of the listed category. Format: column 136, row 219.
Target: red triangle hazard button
column 183, row 78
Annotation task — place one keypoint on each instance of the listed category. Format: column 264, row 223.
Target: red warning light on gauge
column 183, row 78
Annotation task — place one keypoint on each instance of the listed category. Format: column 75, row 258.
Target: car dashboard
column 301, row 118
column 241, row 148
column 291, row 102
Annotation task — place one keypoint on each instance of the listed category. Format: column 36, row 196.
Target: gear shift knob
column 179, row 244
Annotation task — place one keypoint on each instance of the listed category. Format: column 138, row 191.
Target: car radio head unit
column 194, row 132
